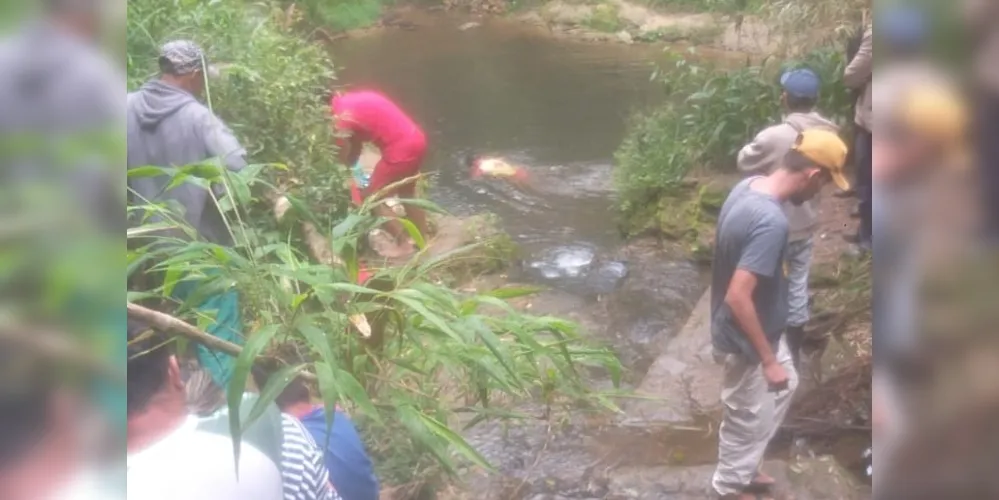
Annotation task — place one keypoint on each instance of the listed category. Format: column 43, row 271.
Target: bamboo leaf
column 237, row 386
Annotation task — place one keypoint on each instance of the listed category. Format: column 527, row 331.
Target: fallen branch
column 170, row 324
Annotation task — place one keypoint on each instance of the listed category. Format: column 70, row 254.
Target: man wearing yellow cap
column 922, row 131
column 749, row 306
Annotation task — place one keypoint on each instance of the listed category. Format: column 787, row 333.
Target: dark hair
column 166, row 66
column 295, row 392
column 148, row 362
column 470, row 160
column 797, row 162
column 798, row 103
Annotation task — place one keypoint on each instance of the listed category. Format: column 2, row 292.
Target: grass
column 717, row 6
column 697, row 35
column 342, row 15
column 604, row 18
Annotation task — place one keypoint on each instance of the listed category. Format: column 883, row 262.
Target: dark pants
column 987, row 118
column 864, row 155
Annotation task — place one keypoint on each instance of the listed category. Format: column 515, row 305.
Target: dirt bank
column 628, row 22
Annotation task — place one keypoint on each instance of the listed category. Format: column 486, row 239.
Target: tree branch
column 170, row 324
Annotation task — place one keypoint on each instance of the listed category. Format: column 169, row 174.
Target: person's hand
column 776, row 376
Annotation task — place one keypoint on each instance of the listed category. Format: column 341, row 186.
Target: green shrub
column 712, row 111
column 274, row 87
column 442, row 353
column 605, row 18
column 342, row 14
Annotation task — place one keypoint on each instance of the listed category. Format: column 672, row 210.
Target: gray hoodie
column 765, row 154
column 168, row 127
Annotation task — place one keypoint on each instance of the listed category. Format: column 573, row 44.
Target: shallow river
column 557, row 106
column 561, row 108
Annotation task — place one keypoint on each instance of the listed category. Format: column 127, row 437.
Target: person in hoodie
column 762, row 156
column 167, row 126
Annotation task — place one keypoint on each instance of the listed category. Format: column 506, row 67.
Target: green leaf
column 453, row 439
column 351, row 390
column 514, row 292
column 237, row 386
column 330, row 394
column 434, row 319
column 150, row 171
column 413, row 232
column 275, row 385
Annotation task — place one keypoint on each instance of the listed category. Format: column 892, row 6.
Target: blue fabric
column 350, row 468
column 227, row 326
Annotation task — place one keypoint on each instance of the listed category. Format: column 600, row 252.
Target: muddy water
column 559, row 107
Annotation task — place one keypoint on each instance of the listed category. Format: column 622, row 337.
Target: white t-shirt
column 193, row 464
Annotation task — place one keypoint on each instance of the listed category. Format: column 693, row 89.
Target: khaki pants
column 752, row 415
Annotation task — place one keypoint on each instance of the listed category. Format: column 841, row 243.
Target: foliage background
column 273, row 91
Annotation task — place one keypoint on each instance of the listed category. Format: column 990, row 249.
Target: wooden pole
column 167, row 323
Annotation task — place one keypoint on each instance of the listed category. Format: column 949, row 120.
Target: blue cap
column 903, row 26
column 802, row 83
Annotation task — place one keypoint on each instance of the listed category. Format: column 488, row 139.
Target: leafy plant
column 711, row 113
column 273, row 90
column 442, row 353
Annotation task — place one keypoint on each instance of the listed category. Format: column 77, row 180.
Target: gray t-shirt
column 752, row 235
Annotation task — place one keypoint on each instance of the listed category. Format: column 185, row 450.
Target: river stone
column 809, row 479
column 606, row 278
column 684, row 381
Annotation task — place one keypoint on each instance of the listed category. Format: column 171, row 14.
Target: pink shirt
column 375, row 118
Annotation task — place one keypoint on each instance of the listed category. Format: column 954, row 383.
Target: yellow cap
column 826, row 150
column 936, row 114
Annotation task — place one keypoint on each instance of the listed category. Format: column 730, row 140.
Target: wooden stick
column 167, row 323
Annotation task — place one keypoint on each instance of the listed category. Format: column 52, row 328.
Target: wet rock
column 811, row 479
column 651, row 304
column 624, row 37
column 469, row 25
column 568, row 262
column 606, row 278
column 684, row 380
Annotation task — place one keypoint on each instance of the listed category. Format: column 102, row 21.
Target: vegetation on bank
column 431, row 358
column 712, row 111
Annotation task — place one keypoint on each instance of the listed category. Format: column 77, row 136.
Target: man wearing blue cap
column 764, row 155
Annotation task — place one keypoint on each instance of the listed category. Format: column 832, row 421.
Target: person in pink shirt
column 367, row 116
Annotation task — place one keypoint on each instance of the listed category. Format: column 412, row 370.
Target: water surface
column 557, row 106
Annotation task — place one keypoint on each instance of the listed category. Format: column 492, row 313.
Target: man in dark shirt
column 749, row 308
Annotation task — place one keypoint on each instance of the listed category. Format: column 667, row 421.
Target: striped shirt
column 303, row 470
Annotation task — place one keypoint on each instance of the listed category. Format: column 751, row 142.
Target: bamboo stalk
column 170, row 324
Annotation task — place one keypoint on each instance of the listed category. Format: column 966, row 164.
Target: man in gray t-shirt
column 749, row 306
column 751, row 235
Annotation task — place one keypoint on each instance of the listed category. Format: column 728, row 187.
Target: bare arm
column 859, row 71
column 349, row 150
column 739, row 299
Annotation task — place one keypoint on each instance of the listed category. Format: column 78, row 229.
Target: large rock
column 684, row 382
column 808, row 479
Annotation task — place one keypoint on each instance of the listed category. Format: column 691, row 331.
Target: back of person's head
column 296, row 392
column 800, row 89
column 470, row 159
column 904, row 29
column 818, row 155
column 150, row 363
